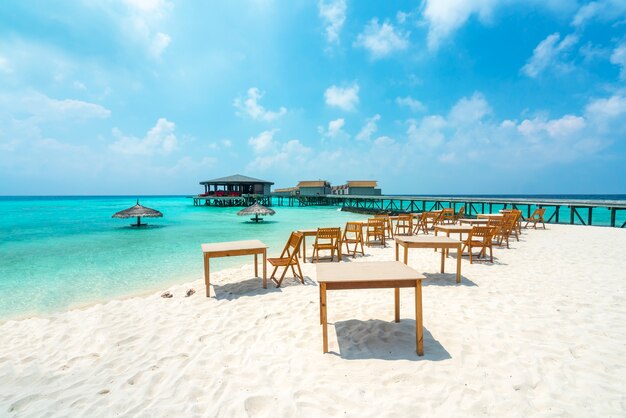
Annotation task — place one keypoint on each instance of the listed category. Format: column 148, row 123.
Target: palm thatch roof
column 138, row 211
column 256, row 210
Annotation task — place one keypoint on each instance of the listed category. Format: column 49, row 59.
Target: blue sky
column 433, row 96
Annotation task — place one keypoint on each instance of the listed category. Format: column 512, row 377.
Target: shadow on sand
column 376, row 339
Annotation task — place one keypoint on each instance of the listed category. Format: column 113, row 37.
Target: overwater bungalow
column 235, row 190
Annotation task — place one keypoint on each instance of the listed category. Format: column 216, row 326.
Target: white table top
column 253, row 244
column 425, row 239
column 366, row 272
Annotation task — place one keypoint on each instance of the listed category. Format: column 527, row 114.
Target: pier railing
column 567, row 211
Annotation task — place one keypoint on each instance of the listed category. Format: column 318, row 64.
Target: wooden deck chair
column 353, row 234
column 460, row 214
column 404, row 226
column 447, row 216
column 327, row 239
column 388, row 225
column 288, row 258
column 517, row 223
column 536, row 217
column 421, row 224
column 479, row 237
column 375, row 231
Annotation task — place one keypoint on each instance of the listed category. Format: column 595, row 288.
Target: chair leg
column 300, row 270
column 491, row 253
column 273, row 273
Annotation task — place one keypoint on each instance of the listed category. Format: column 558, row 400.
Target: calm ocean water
column 61, row 252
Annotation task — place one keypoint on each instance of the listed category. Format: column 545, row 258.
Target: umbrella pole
column 138, row 220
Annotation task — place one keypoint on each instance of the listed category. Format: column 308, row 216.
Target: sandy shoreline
column 540, row 332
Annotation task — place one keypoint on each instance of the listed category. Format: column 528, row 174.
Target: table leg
column 406, row 254
column 256, row 265
column 443, row 259
column 323, row 314
column 419, row 323
column 304, row 248
column 396, row 250
column 447, row 250
column 397, row 303
column 207, row 280
column 264, row 268
column 458, row 263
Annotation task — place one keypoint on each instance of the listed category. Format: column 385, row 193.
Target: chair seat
column 325, row 246
column 281, row 261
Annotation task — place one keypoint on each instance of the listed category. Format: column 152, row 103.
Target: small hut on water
column 235, row 190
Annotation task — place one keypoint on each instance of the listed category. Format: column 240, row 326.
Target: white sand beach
column 542, row 331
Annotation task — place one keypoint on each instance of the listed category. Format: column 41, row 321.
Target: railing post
column 612, row 216
column 589, row 216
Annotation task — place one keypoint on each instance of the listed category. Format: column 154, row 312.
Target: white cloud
column 368, row 129
column 41, row 107
column 159, row 43
column 618, row 57
column 78, row 85
column 263, row 142
column 141, row 21
column 444, row 17
column 252, row 108
column 428, row 132
column 468, row 111
column 345, row 98
column 564, row 127
column 549, row 53
column 605, row 111
column 381, row 40
column 602, row 10
column 413, row 104
column 333, row 13
column 335, row 127
column 160, row 139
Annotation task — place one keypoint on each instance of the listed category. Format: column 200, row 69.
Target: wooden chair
column 517, row 223
column 447, row 216
column 460, row 214
column 433, row 218
column 327, row 239
column 479, row 237
column 353, row 234
column 375, row 231
column 388, row 225
column 288, row 258
column 404, row 226
column 536, row 217
column 506, row 227
column 421, row 224
column 498, row 228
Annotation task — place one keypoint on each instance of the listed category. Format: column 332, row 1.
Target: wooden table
column 313, row 233
column 453, row 229
column 233, row 248
column 427, row 241
column 473, row 221
column 373, row 275
column 490, row 216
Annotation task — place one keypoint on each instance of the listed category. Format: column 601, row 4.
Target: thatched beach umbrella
column 256, row 210
column 138, row 211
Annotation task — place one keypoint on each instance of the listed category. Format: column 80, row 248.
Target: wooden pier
column 563, row 211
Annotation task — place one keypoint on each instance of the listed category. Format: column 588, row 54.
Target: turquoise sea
column 62, row 252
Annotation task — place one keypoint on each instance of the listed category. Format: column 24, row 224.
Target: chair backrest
column 382, row 215
column 293, row 245
column 356, row 227
column 405, row 220
column 447, row 214
column 484, row 232
column 460, row 213
column 331, row 234
column 376, row 225
column 538, row 213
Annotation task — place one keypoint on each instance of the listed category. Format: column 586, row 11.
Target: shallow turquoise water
column 60, row 252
